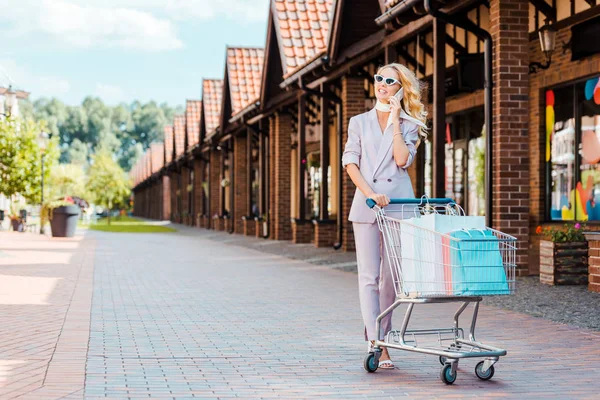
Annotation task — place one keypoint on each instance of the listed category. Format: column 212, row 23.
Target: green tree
column 107, row 182
column 21, row 158
column 67, row 180
column 78, row 153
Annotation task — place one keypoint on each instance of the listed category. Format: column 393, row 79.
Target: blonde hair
column 413, row 105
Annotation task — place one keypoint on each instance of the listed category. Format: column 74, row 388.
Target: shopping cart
column 442, row 268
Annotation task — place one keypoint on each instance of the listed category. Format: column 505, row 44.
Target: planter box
column 64, row 221
column 563, row 263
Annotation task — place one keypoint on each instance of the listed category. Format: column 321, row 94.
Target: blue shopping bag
column 477, row 267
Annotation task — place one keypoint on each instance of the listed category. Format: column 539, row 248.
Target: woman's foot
column 384, row 360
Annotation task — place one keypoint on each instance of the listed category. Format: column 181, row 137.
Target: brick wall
column 240, row 184
column 281, row 184
column 249, row 227
column 185, row 200
column 594, row 266
column 198, row 192
column 353, row 98
column 215, row 185
column 325, row 234
column 509, row 25
column 166, row 201
column 271, row 178
column 302, row 231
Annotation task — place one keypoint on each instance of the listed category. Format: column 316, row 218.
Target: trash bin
column 64, row 221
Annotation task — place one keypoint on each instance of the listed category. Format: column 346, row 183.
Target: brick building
column 265, row 158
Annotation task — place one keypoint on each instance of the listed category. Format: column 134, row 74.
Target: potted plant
column 63, row 215
column 16, row 222
column 563, row 255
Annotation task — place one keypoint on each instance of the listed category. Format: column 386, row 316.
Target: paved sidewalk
column 578, row 306
column 181, row 316
column 178, row 316
column 45, row 303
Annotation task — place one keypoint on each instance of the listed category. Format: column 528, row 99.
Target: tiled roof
column 179, row 132
column 211, row 101
column 192, row 121
column 147, row 164
column 158, row 156
column 168, row 144
column 244, row 69
column 303, row 29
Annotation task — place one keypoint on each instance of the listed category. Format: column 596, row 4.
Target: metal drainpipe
column 395, row 11
column 488, row 95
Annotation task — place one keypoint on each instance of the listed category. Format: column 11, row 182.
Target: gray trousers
column 375, row 283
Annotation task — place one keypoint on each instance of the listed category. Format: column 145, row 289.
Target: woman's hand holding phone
column 395, row 105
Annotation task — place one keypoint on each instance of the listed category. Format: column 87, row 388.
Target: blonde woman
column 382, row 144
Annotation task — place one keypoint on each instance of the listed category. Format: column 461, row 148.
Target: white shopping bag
column 422, row 250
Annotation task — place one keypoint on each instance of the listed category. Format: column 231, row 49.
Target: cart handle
column 371, row 203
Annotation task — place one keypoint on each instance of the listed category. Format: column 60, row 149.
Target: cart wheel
column 446, row 374
column 370, row 363
column 484, row 376
column 443, row 360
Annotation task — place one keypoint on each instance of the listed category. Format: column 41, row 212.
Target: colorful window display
column 464, row 161
column 573, row 122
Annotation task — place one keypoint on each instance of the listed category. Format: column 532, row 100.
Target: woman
column 381, row 144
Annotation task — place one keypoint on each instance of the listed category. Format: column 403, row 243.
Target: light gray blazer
column 376, row 163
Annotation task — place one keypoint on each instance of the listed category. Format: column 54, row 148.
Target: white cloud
column 242, row 10
column 22, row 77
column 86, row 24
column 110, row 94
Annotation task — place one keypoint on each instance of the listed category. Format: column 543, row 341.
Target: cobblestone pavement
column 178, row 315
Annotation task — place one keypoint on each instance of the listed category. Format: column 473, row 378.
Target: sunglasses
column 387, row 81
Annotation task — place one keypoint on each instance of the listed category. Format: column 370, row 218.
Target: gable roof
column 212, row 90
column 244, row 70
column 157, row 150
column 192, row 122
column 168, row 144
column 179, row 134
column 302, row 30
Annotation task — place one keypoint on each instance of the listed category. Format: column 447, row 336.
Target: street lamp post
column 11, row 101
column 42, row 143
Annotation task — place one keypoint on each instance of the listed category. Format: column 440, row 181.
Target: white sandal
column 386, row 364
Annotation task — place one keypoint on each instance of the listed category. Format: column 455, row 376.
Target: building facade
column 515, row 131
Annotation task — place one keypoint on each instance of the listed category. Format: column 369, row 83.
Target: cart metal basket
column 434, row 267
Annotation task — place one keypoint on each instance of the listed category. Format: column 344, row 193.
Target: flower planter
column 563, row 263
column 17, row 226
column 64, row 221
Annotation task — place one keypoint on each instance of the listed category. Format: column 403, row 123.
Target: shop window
column 464, row 162
column 573, row 178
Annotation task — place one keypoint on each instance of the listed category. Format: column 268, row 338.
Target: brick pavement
column 181, row 316
column 45, row 301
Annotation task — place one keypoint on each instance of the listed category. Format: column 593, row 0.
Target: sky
column 123, row 50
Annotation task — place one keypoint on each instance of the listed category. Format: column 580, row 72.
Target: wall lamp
column 547, row 35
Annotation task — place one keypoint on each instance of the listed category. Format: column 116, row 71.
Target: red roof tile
column 192, row 121
column 244, row 68
column 179, row 132
column 307, row 22
column 212, row 90
column 168, row 144
column 158, row 156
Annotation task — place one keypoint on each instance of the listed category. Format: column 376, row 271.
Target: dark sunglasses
column 387, row 81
